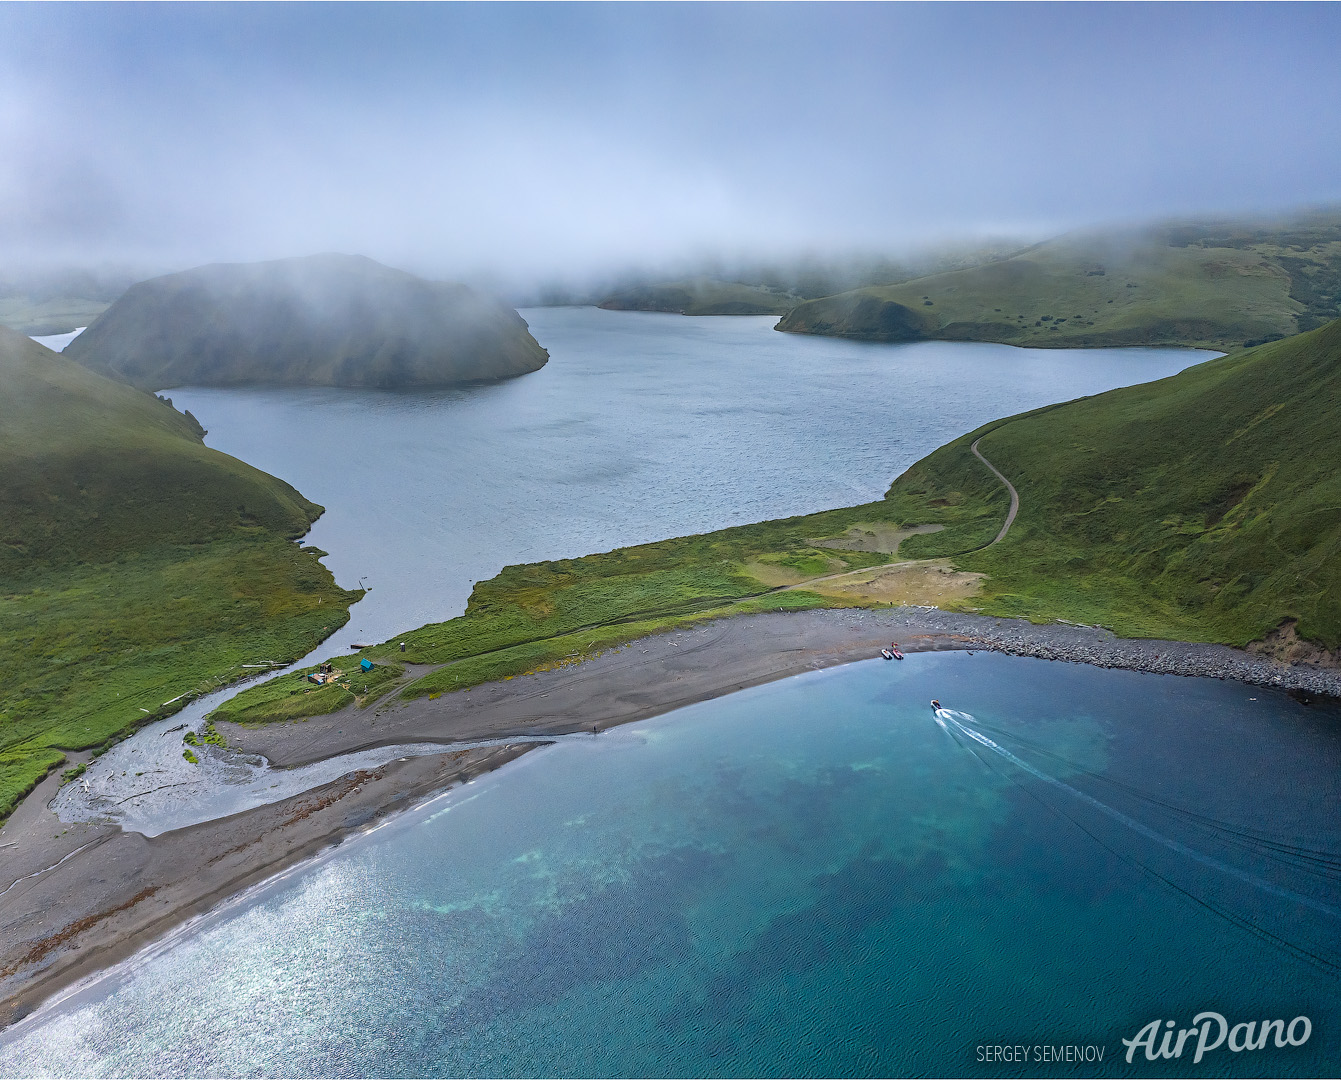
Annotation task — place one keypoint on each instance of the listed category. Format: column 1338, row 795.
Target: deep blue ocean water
column 812, row 877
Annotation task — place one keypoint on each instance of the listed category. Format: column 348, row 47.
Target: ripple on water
column 640, row 427
column 811, row 877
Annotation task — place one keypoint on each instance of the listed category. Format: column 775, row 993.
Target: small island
column 321, row 320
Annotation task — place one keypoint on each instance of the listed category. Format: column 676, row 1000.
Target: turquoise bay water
column 812, row 877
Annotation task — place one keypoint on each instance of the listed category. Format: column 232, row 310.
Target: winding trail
column 1005, row 528
column 1014, row 495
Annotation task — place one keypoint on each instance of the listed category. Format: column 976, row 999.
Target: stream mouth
column 164, row 797
column 1064, row 853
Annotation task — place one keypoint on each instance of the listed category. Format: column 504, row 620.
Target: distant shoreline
column 114, row 892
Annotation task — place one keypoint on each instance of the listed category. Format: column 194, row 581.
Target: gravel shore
column 78, row 898
column 1103, row 648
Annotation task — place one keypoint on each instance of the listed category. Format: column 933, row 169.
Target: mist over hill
column 137, row 564
column 767, row 286
column 1220, row 283
column 55, row 299
column 321, row 320
column 701, row 296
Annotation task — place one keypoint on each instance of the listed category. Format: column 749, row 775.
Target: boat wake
column 1321, row 866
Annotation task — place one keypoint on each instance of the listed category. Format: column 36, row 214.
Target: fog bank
column 530, row 143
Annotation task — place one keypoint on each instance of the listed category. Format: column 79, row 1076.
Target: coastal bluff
column 140, row 566
column 319, row 320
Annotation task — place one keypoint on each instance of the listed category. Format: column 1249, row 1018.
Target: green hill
column 702, row 296
column 324, row 320
column 56, row 300
column 57, row 316
column 136, row 564
column 1206, row 506
column 1222, row 285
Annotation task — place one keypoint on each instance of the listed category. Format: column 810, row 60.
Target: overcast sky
column 551, row 139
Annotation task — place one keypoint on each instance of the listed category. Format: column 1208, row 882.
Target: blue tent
column 366, row 664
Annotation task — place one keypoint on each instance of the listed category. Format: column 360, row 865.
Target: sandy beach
column 80, row 898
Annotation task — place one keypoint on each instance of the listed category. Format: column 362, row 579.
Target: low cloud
column 543, row 142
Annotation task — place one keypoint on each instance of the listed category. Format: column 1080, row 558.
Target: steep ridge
column 1205, row 506
column 136, row 564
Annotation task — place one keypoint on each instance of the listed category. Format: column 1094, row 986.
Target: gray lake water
column 641, row 427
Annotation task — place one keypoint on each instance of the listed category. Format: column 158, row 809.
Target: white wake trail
column 951, row 717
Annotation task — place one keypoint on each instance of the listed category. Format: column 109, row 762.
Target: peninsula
column 1200, row 508
column 1222, row 285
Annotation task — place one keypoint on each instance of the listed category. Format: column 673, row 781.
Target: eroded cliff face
column 322, row 320
column 1285, row 644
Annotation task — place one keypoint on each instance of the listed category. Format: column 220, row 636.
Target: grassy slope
column 57, row 316
column 1223, row 286
column 1206, row 506
column 702, row 296
column 136, row 564
column 550, row 613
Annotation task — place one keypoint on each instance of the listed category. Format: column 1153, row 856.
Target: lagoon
column 642, row 426
column 812, row 877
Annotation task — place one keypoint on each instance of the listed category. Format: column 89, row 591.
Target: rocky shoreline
column 1101, row 647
